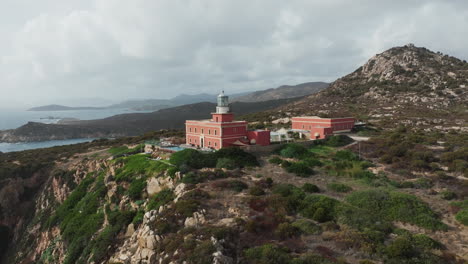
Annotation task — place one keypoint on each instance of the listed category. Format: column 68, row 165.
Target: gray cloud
column 119, row 49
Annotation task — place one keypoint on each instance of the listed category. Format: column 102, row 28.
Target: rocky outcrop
column 139, row 247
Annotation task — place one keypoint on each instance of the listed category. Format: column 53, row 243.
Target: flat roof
column 321, row 117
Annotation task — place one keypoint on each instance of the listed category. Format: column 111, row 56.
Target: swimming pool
column 173, row 148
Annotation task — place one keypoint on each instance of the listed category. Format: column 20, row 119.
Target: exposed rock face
column 196, row 220
column 155, row 185
column 140, row 246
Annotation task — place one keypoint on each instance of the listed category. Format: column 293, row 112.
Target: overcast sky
column 56, row 51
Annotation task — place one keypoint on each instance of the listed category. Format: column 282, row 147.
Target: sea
column 10, row 119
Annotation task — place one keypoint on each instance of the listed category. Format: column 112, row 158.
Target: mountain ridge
column 403, row 85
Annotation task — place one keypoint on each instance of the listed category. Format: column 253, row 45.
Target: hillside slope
column 282, row 92
column 408, row 85
column 130, row 124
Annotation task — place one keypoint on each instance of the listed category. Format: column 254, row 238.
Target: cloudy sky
column 55, row 51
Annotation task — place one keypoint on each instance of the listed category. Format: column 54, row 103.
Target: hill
column 55, row 107
column 407, row 85
column 130, row 124
column 282, row 92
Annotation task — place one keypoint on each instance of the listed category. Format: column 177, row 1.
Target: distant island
column 55, row 107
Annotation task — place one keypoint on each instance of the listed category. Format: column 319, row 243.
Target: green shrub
column 226, row 163
column 307, row 227
column 193, row 178
column 395, row 206
column 401, row 247
column 256, row 191
column 237, row 186
column 275, row 160
column 424, row 242
column 462, row 216
column 203, row 253
column 300, row 169
column 294, row 196
column 422, row 183
column 136, row 188
column 339, row 187
column 448, row 195
column 319, row 207
column 267, row 254
column 346, row 155
column 312, row 162
column 163, row 197
column 338, row 141
column 138, row 219
column 286, row 230
column 292, row 150
column 310, row 188
column 186, row 208
column 232, row 157
column 406, row 184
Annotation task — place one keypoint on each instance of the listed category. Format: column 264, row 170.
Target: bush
column 163, row 197
column 226, row 163
column 186, row 208
column 237, row 186
column 310, row 188
column 448, row 195
column 286, row 230
column 275, row 160
column 192, row 178
column 312, row 162
column 267, row 254
column 300, row 169
column 462, row 216
column 395, row 206
column 401, row 247
column 307, row 227
column 422, row 183
column 338, row 141
column 292, row 150
column 339, row 187
column 319, row 207
column 256, row 191
column 136, row 188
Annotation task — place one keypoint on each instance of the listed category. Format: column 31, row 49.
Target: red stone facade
column 222, row 131
column 322, row 127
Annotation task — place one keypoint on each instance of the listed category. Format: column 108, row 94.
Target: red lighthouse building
column 222, row 131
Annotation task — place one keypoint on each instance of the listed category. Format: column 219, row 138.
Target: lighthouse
column 221, row 130
column 223, row 104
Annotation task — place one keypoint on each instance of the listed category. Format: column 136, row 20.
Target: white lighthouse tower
column 223, row 104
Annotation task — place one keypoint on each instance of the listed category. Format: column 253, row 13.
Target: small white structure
column 281, row 135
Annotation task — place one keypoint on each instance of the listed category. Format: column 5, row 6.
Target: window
column 195, row 130
column 215, row 132
column 190, row 140
column 216, row 119
column 190, row 129
column 202, row 130
column 303, row 126
column 209, row 143
column 216, row 144
column 209, row 131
